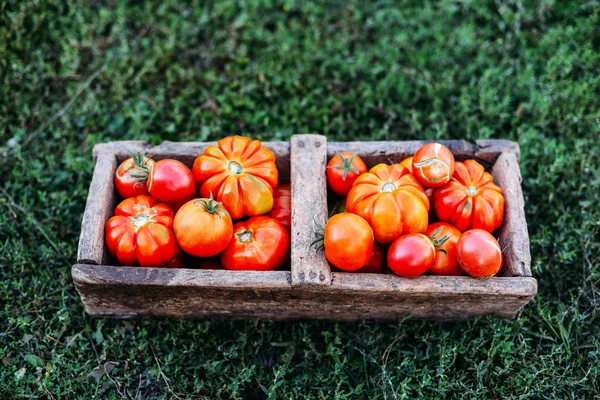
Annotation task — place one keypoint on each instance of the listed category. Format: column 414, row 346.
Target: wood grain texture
column 186, row 152
column 489, row 150
column 512, row 235
column 150, row 292
column 98, row 209
column 309, row 201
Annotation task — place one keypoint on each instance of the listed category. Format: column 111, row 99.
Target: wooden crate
column 308, row 288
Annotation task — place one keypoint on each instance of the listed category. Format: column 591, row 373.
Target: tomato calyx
column 437, row 242
column 138, row 169
column 245, row 236
column 211, row 206
column 388, row 187
column 140, row 220
column 471, row 190
column 346, row 165
column 235, row 168
column 319, row 231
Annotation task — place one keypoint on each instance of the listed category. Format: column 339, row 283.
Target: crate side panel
column 98, row 209
column 512, row 235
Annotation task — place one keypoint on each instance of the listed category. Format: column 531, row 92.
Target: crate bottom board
column 125, row 292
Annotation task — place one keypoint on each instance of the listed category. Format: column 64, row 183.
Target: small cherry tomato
column 170, row 181
column 141, row 233
column 433, row 165
column 375, row 264
column 444, row 237
column 125, row 181
column 411, row 255
column 348, row 241
column 342, row 171
column 203, row 227
column 479, row 254
column 282, row 206
column 258, row 244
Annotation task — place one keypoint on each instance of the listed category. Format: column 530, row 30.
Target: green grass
column 73, row 75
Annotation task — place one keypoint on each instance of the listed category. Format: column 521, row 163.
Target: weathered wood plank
column 186, row 152
column 98, row 209
column 489, row 150
column 139, row 292
column 513, row 235
column 309, row 201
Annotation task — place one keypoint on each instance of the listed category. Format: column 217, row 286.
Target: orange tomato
column 203, row 227
column 444, row 237
column 141, row 233
column 240, row 173
column 348, row 241
column 128, row 185
column 282, row 206
column 391, row 200
column 342, row 171
column 433, row 165
column 470, row 200
column 479, row 253
column 258, row 244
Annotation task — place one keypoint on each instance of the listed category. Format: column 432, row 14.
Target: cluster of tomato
column 393, row 205
column 161, row 217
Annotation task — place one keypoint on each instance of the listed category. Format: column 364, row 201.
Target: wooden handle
column 98, row 209
column 513, row 236
column 309, row 201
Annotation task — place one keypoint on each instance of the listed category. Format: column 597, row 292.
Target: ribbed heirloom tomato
column 282, row 206
column 141, row 233
column 444, row 237
column 470, row 200
column 128, row 185
column 411, row 255
column 258, row 244
column 342, row 171
column 479, row 253
column 203, row 227
column 348, row 241
column 433, row 165
column 240, row 173
column 391, row 200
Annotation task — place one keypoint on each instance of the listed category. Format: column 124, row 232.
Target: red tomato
column 240, row 173
column 170, row 181
column 433, row 165
column 479, row 254
column 342, row 171
column 203, row 227
column 282, row 206
column 258, row 244
column 348, row 241
column 445, row 239
column 375, row 264
column 391, row 200
column 141, row 233
column 411, row 255
column 470, row 200
column 126, row 182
